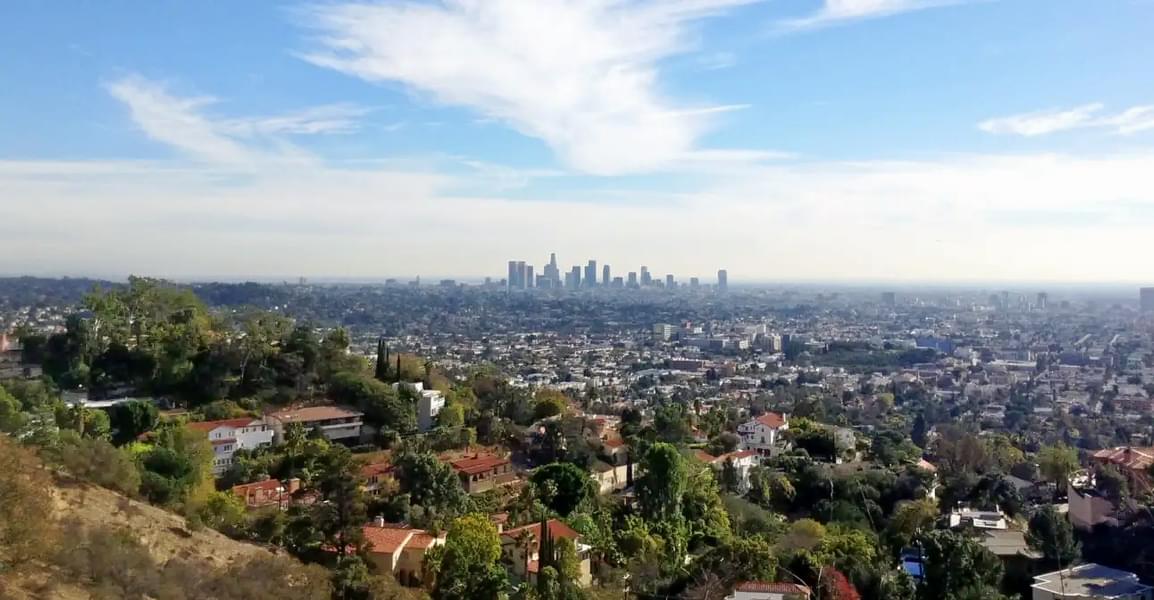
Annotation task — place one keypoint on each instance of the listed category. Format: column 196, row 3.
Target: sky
column 783, row 140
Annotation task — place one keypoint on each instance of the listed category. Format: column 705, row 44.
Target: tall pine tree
column 382, row 370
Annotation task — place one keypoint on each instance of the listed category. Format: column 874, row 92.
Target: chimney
column 379, row 521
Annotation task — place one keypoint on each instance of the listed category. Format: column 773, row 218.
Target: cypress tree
column 382, row 370
column 398, row 368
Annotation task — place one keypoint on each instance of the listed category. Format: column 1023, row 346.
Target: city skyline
column 799, row 141
column 521, row 275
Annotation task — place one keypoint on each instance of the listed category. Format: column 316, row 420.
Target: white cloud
column 580, row 75
column 1129, row 121
column 953, row 218
column 833, row 12
column 182, row 122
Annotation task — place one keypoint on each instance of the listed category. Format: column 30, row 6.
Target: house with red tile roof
column 1132, row 462
column 769, row 590
column 378, row 476
column 270, row 492
column 229, row 435
column 520, row 550
column 482, row 472
column 400, row 550
column 763, row 434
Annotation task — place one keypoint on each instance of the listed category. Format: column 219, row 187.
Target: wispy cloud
column 1087, row 116
column 834, row 12
column 183, row 123
column 581, row 76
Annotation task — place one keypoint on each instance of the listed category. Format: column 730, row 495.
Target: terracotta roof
column 614, row 443
column 558, row 529
column 308, row 414
column 207, row 426
column 772, row 587
column 387, row 540
column 772, row 419
column 381, row 468
column 268, row 485
column 1138, row 459
column 422, row 540
column 479, row 463
column 704, row 456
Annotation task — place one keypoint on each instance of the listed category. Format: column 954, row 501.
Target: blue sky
column 783, row 139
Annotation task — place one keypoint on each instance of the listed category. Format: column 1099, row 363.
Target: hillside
column 106, row 544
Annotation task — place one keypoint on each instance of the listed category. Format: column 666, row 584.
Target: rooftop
column 1090, row 580
column 308, row 414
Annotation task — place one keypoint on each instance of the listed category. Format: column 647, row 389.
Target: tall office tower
column 551, row 274
column 605, row 278
column 590, row 274
column 574, row 280
column 530, row 282
column 669, row 282
column 618, row 283
column 520, row 275
column 632, row 279
column 511, row 282
column 889, row 299
column 1005, row 301
column 694, row 282
column 1146, row 299
column 1043, row 300
column 645, row 278
column 722, row 280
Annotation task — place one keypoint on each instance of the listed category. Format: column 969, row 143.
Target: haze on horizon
column 845, row 140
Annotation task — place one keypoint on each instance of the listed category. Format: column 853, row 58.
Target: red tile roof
column 772, row 587
column 387, row 540
column 479, row 463
column 772, row 419
column 704, row 456
column 1137, row 459
column 207, row 426
column 557, row 529
column 381, row 468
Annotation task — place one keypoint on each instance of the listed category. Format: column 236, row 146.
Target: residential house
column 767, row 590
column 743, row 463
column 483, row 472
column 429, row 403
column 336, row 423
column 400, row 550
column 270, row 492
column 520, row 548
column 1087, row 508
column 1090, row 582
column 763, row 433
column 378, row 476
column 1132, row 462
column 229, row 435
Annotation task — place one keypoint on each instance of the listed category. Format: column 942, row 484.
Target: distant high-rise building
column 573, row 281
column 722, row 280
column 889, row 299
column 645, row 278
column 694, row 282
column 511, row 281
column 669, row 282
column 618, row 283
column 590, row 274
column 530, row 282
column 1043, row 300
column 606, row 280
column 1146, row 299
column 550, row 275
column 520, row 275
column 632, row 281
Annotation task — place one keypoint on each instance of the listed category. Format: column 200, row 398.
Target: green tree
column 563, row 487
column 224, row 512
column 549, row 403
column 468, row 565
column 702, row 507
column 909, row 519
column 130, row 419
column 342, row 512
column 97, row 461
column 1057, row 463
column 957, row 567
column 1051, row 534
column 12, row 418
column 431, row 484
column 660, row 489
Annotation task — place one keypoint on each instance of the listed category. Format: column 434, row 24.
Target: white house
column 762, row 434
column 229, row 435
column 743, row 462
column 429, row 404
column 766, row 590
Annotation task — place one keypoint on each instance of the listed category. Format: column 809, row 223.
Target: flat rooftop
column 1090, row 580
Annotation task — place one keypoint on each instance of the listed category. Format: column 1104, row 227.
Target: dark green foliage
column 130, row 419
column 563, row 487
column 957, row 567
column 1051, row 534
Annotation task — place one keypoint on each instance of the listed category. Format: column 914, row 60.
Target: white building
column 1090, row 582
column 762, row 434
column 429, row 404
column 229, row 435
column 764, row 590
